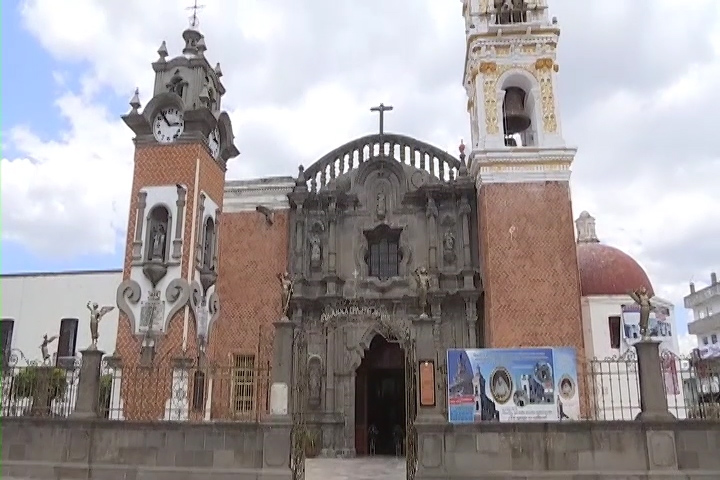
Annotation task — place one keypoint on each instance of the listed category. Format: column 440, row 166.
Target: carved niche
column 314, row 381
column 449, row 240
column 315, row 246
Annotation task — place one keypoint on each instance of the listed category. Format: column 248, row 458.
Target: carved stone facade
column 345, row 209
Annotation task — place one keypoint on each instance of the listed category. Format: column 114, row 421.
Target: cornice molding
column 247, row 195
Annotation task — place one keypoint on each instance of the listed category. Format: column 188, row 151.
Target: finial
column 218, row 70
column 463, row 171
column 301, row 176
column 163, row 51
column 585, row 225
column 135, row 101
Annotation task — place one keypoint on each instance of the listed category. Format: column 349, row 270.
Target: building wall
column 37, row 303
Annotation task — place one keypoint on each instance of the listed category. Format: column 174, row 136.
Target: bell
column 516, row 120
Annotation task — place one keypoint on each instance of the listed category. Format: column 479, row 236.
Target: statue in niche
column 381, row 206
column 509, row 11
column 449, row 246
column 208, row 250
column 423, row 286
column 431, row 210
column 314, row 382
column 287, row 284
column 157, row 238
column 315, row 250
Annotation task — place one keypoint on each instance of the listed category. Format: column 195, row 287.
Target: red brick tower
column 522, row 169
column 183, row 140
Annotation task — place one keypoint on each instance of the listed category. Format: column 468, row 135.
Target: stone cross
column 381, row 109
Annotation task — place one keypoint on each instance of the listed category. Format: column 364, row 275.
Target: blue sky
column 29, row 91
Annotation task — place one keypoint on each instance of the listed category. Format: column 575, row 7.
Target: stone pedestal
column 42, row 391
column 276, row 448
column 653, row 398
column 88, row 389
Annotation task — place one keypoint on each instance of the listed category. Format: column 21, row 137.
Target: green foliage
column 105, row 392
column 25, row 382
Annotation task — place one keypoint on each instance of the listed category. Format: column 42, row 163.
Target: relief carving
column 128, row 294
column 314, row 381
column 449, row 240
column 381, row 204
column 315, row 245
column 177, row 293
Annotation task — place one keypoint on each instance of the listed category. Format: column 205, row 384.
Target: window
column 209, row 243
column 705, row 340
column 6, row 332
column 68, row 337
column 713, row 338
column 614, row 328
column 177, row 86
column 198, row 395
column 243, row 384
column 384, row 256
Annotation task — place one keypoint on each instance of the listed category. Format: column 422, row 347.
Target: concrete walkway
column 367, row 468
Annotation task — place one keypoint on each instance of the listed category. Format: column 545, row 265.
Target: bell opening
column 515, row 118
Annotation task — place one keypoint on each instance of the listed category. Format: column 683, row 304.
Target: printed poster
column 512, row 385
column 659, row 328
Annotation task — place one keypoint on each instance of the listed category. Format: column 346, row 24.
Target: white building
column 55, row 304
column 705, row 305
column 610, row 323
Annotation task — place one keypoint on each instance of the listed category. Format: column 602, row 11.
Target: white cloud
column 300, row 80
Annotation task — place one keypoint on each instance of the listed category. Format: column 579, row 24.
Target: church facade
column 396, row 250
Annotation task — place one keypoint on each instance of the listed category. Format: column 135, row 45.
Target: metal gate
column 299, row 388
column 410, row 409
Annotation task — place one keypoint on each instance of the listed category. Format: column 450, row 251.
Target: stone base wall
column 106, row 450
column 686, row 450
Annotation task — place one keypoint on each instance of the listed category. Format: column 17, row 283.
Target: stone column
column 281, row 367
column 425, row 349
column 41, row 397
column 88, row 390
column 180, row 204
column 653, row 398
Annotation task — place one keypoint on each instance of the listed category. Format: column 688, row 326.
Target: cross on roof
column 194, row 21
column 381, row 109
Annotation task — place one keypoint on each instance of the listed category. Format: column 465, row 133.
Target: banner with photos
column 659, row 326
column 512, row 385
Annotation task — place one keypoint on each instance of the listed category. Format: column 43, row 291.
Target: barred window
column 383, row 256
column 243, row 384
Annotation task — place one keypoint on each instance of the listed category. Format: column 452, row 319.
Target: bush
column 25, row 383
column 105, row 392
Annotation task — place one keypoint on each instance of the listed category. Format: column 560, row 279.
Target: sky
column 637, row 91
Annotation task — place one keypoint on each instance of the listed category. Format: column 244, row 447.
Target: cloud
column 635, row 92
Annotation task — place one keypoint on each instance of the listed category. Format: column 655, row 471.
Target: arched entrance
column 380, row 399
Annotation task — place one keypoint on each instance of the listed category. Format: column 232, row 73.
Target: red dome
column 605, row 270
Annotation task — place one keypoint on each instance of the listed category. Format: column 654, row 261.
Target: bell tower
column 183, row 141
column 521, row 165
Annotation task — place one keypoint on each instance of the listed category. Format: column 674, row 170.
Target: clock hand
column 166, row 120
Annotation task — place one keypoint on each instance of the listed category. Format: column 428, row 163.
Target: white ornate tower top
column 510, row 75
column 585, row 225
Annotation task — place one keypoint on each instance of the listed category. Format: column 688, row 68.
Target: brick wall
column 529, row 264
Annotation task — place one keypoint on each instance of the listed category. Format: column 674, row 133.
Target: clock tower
column 521, row 165
column 183, row 141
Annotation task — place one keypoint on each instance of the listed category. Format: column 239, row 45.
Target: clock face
column 214, row 142
column 168, row 125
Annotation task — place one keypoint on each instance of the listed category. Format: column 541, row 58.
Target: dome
column 605, row 270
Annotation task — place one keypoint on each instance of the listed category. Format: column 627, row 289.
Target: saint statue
column 315, row 251
column 44, row 348
column 158, row 242
column 423, row 285
column 287, row 290
column 381, row 204
column 96, row 315
column 642, row 298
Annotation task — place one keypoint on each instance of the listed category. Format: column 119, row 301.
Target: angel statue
column 642, row 298
column 44, row 348
column 287, row 284
column 96, row 315
column 423, row 285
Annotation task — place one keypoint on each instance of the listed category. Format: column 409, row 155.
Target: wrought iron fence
column 186, row 391
column 613, row 389
column 38, row 388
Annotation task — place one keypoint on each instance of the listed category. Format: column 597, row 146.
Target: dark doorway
column 380, row 400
